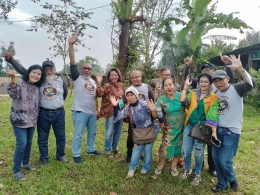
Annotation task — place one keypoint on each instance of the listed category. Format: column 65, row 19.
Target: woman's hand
column 114, row 101
column 188, row 82
column 99, row 78
column 151, row 105
column 161, row 125
column 11, row 74
column 214, row 134
column 7, row 55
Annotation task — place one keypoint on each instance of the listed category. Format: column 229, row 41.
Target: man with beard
column 84, row 105
column 53, row 92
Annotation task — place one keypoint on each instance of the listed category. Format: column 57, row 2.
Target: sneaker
column 217, row 189
column 78, row 160
column 185, row 173
column 130, row 174
column 196, row 181
column 234, row 186
column 95, row 152
column 43, row 162
column 143, row 171
column 62, row 159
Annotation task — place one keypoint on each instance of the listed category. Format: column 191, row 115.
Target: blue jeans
column 188, row 144
column 47, row 119
column 23, row 146
column 81, row 121
column 113, row 134
column 137, row 153
column 224, row 155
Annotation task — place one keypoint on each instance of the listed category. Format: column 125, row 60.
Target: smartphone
column 216, row 142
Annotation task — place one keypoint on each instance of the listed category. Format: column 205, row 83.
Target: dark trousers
column 129, row 143
column 210, row 159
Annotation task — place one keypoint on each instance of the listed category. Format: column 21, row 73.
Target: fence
column 4, row 81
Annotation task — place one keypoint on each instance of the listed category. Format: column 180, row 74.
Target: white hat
column 132, row 90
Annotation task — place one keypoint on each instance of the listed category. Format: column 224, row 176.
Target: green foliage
column 96, row 67
column 252, row 37
column 253, row 97
column 4, row 48
column 6, row 6
column 122, row 9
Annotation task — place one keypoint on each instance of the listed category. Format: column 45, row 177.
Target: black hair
column 205, row 75
column 30, row 69
column 167, row 79
column 117, row 72
column 163, row 69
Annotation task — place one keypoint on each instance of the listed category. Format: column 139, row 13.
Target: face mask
column 121, row 104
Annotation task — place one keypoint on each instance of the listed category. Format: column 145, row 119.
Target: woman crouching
column 143, row 113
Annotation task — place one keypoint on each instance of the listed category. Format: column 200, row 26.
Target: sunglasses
column 86, row 68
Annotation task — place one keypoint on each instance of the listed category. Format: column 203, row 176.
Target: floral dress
column 174, row 116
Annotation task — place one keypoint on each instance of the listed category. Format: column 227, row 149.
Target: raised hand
column 113, row 100
column 73, row 39
column 224, row 58
column 99, row 78
column 151, row 105
column 11, row 73
column 188, row 60
column 7, row 55
column 235, row 62
column 158, row 87
column 188, row 82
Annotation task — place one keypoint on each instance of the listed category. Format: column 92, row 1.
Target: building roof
column 242, row 51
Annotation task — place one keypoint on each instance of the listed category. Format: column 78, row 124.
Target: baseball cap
column 207, row 65
column 221, row 74
column 48, row 63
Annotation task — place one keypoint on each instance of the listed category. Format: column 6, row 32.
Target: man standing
column 84, row 105
column 53, row 92
column 145, row 93
column 230, row 122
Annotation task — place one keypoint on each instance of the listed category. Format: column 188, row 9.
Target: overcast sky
column 33, row 47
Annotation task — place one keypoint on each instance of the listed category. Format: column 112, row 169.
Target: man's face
column 165, row 74
column 86, row 70
column 207, row 70
column 49, row 70
column 136, row 78
column 221, row 84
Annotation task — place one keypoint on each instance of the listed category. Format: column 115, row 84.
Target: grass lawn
column 100, row 175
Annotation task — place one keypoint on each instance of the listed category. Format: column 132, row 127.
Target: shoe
column 115, row 152
column 62, row 159
column 213, row 173
column 158, row 171
column 143, row 171
column 43, row 162
column 109, row 155
column 185, row 173
column 130, row 174
column 95, row 152
column 234, row 185
column 174, row 172
column 128, row 159
column 217, row 189
column 196, row 181
column 77, row 160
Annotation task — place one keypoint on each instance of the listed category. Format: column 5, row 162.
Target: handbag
column 201, row 132
column 141, row 135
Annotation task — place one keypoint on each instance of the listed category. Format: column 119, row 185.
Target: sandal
column 19, row 176
column 158, row 171
column 196, row 181
column 30, row 167
column 174, row 172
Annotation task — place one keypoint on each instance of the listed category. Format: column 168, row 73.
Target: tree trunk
column 123, row 47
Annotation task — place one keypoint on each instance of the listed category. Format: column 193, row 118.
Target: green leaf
column 200, row 7
column 181, row 37
column 195, row 39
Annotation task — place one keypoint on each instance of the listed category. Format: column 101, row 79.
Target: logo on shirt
column 49, row 92
column 89, row 87
column 141, row 95
column 223, row 105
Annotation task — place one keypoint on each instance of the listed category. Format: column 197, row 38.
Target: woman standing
column 113, row 88
column 143, row 113
column 203, row 109
column 172, row 126
column 24, row 115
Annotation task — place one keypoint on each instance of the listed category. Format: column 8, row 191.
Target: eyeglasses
column 49, row 68
column 86, row 68
column 218, row 80
column 135, row 77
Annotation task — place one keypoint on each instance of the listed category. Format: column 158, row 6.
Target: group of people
column 38, row 99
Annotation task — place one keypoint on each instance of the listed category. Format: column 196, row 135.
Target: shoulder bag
column 141, row 135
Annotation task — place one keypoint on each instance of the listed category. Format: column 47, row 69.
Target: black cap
column 221, row 74
column 207, row 65
column 48, row 63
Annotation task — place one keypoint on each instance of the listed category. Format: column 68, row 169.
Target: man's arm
column 187, row 62
column 65, row 89
column 73, row 67
column 18, row 67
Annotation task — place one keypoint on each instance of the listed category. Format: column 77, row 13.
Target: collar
column 135, row 104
